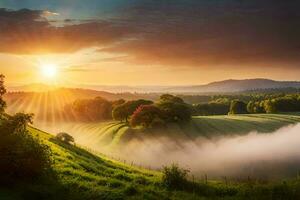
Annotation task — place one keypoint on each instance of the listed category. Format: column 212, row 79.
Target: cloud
column 199, row 33
column 49, row 13
column 174, row 33
column 29, row 32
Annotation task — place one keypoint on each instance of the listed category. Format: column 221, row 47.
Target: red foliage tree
column 148, row 116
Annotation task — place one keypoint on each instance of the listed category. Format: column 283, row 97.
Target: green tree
column 238, row 107
column 174, row 108
column 175, row 112
column 120, row 113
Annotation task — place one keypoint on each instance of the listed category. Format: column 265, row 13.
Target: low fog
column 273, row 155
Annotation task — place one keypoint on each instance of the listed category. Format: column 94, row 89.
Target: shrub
column 65, row 137
column 174, row 177
column 21, row 155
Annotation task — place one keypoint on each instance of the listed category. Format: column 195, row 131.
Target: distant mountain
column 236, row 86
column 214, row 87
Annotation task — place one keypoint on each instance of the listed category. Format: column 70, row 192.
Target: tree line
column 242, row 104
column 139, row 112
column 170, row 108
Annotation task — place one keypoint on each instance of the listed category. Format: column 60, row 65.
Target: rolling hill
column 81, row 174
column 110, row 134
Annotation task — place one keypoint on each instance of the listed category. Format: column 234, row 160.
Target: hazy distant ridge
column 219, row 86
column 238, row 85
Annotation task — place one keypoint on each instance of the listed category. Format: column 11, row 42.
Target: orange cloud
column 29, row 32
column 189, row 33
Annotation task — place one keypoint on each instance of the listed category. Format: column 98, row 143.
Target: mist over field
column 258, row 155
column 255, row 155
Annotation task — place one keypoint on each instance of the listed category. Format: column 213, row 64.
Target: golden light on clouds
column 196, row 43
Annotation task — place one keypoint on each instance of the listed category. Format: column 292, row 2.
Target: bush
column 21, row 155
column 65, row 137
column 174, row 177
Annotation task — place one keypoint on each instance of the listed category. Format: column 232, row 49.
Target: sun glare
column 49, row 70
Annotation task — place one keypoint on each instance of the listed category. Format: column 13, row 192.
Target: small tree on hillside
column 65, row 137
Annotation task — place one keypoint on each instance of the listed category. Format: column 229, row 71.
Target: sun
column 49, row 70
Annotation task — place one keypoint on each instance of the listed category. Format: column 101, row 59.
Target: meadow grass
column 242, row 124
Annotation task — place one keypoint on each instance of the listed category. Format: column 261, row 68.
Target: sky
column 148, row 42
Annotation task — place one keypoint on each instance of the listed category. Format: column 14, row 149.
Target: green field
column 242, row 124
column 110, row 134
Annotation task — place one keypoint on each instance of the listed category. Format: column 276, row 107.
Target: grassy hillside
column 83, row 175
